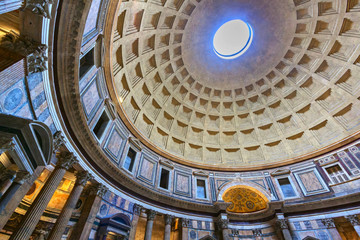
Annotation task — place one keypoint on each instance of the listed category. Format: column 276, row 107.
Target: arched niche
column 118, row 226
column 244, row 197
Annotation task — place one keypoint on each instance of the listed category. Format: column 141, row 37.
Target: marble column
column 185, row 224
column 10, row 5
column 354, row 220
column 168, row 222
column 82, row 228
column 282, row 224
column 7, row 177
column 330, row 225
column 8, row 209
column 149, row 224
column 34, row 213
column 223, row 225
column 21, row 177
column 135, row 221
column 57, row 231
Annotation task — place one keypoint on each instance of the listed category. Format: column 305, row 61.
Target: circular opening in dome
column 232, row 39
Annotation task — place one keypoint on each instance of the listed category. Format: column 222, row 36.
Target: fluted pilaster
column 57, row 231
column 10, row 5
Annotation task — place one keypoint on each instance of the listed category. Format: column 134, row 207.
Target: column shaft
column 167, row 232
column 33, row 215
column 149, row 224
column 82, row 229
column 357, row 229
column 335, row 234
column 149, row 227
column 10, row 5
column 14, row 195
column 286, row 234
column 135, row 221
column 5, row 186
column 64, row 217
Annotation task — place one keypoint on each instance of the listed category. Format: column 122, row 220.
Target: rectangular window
column 130, row 160
column 86, row 63
column 164, row 178
column 200, row 188
column 286, row 188
column 336, row 174
column 101, row 125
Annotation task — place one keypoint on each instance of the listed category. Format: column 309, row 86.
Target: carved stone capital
column 66, row 160
column 22, row 176
column 36, row 61
column 353, row 219
column 137, row 209
column 39, row 7
column 168, row 219
column 82, row 177
column 7, row 144
column 58, row 141
column 186, row 223
column 257, row 233
column 282, row 223
column 99, row 190
column 150, row 215
column 7, row 174
column 223, row 223
column 34, row 52
column 328, row 222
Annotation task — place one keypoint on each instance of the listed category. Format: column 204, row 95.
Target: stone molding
column 7, row 174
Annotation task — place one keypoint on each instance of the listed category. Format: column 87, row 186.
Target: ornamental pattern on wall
column 244, row 200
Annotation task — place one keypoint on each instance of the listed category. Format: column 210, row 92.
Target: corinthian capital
column 82, row 177
column 99, row 190
column 353, row 219
column 40, row 7
column 150, row 214
column 328, row 222
column 58, row 141
column 22, row 176
column 66, row 160
column 223, row 223
column 282, row 223
column 168, row 219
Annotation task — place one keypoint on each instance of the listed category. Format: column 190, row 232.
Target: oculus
column 232, row 39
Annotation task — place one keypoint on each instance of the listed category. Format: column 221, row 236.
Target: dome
column 291, row 96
